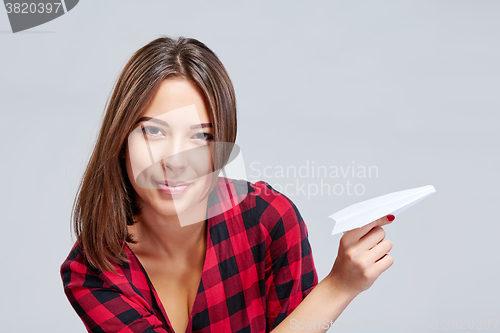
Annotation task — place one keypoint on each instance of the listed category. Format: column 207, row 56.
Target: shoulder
column 77, row 262
column 108, row 301
column 268, row 197
column 259, row 204
column 276, row 209
column 77, row 271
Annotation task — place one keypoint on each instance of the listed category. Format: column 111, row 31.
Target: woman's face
column 168, row 153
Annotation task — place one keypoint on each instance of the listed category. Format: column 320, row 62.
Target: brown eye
column 204, row 136
column 153, row 131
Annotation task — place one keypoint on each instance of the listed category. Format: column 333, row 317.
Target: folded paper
column 362, row 213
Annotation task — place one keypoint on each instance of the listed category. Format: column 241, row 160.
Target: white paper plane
column 362, row 213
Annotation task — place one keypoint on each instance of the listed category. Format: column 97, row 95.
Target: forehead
column 175, row 95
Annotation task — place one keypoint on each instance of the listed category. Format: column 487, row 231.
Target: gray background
column 411, row 87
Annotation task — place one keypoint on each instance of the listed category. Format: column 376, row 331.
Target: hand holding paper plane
column 360, row 214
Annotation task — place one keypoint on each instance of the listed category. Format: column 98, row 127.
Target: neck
column 169, row 242
column 170, row 237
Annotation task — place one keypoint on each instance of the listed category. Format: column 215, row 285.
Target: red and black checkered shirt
column 258, row 268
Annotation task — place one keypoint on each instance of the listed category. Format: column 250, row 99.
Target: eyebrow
column 164, row 123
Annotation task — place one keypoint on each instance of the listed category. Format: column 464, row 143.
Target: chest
column 176, row 287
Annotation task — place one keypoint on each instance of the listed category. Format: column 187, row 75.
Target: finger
column 379, row 251
column 383, row 264
column 372, row 238
column 388, row 219
column 356, row 234
column 353, row 236
column 379, row 222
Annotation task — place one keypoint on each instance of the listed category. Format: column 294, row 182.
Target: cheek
column 139, row 161
column 200, row 160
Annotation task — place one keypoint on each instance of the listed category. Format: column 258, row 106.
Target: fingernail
column 391, row 218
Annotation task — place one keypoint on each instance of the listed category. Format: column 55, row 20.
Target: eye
column 204, row 136
column 153, row 131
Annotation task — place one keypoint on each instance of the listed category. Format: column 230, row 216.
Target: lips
column 172, row 187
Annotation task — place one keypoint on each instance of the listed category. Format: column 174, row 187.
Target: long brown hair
column 105, row 203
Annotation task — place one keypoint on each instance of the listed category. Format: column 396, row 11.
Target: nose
column 176, row 159
column 174, row 163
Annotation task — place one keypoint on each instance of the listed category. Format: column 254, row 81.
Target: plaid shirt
column 258, row 268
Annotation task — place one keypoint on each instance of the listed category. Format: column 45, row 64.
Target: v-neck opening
column 155, row 294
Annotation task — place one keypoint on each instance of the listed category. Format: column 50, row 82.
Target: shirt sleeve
column 290, row 270
column 102, row 305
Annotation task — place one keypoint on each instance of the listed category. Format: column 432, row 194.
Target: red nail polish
column 391, row 218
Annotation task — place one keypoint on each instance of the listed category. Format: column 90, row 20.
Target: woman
column 165, row 245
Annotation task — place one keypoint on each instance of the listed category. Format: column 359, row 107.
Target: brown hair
column 105, row 203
